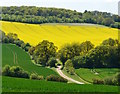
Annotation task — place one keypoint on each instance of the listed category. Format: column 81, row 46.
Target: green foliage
column 110, row 42
column 98, row 81
column 40, row 15
column 69, row 67
column 79, row 62
column 102, row 56
column 44, row 51
column 15, row 71
column 25, row 46
column 109, row 81
column 12, row 37
column 85, row 47
column 31, row 50
column 51, row 62
column 71, row 50
column 5, row 40
column 36, row 77
column 55, row 78
column 6, row 70
column 18, row 42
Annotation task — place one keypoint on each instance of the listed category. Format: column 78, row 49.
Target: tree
column 31, row 50
column 5, row 40
column 12, row 37
column 69, row 67
column 110, row 42
column 68, row 52
column 85, row 47
column 44, row 51
column 79, row 62
column 108, row 21
column 51, row 62
column 18, row 42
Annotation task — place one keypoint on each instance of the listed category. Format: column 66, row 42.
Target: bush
column 55, row 78
column 5, row 40
column 98, row 81
column 69, row 67
column 36, row 77
column 6, row 70
column 108, row 81
column 18, row 42
column 15, row 71
column 51, row 62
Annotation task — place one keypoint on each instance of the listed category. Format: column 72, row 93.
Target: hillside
column 15, row 56
column 59, row 34
column 38, row 15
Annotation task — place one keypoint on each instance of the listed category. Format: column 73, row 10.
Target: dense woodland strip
column 39, row 15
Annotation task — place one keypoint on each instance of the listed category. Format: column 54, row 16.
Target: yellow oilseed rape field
column 59, row 34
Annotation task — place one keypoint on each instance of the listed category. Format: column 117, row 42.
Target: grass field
column 75, row 77
column 59, row 34
column 14, row 56
column 101, row 73
column 25, row 85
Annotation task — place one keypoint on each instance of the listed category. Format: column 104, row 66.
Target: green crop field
column 14, row 56
column 25, row 85
column 100, row 73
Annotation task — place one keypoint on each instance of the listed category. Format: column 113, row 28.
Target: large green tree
column 44, row 51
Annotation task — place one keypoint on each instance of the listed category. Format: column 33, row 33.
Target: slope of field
column 100, row 73
column 25, row 85
column 14, row 56
column 59, row 33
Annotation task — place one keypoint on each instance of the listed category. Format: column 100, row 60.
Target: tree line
column 75, row 55
column 39, row 15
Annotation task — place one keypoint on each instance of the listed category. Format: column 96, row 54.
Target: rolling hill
column 59, row 34
column 15, row 56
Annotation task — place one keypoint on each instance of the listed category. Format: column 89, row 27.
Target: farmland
column 24, row 85
column 59, row 34
column 17, row 57
column 100, row 73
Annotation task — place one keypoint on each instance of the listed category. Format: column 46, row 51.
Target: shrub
column 55, row 78
column 51, row 62
column 5, row 40
column 6, row 70
column 36, row 77
column 15, row 71
column 18, row 42
column 69, row 67
column 108, row 81
column 98, row 81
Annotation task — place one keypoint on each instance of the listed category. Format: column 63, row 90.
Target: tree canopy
column 38, row 15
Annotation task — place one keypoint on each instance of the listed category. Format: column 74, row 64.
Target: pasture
column 26, row 85
column 100, row 73
column 59, row 34
column 15, row 56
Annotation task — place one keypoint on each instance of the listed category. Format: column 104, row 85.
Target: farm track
column 66, row 77
column 15, row 60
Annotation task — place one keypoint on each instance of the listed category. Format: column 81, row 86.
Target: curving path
column 66, row 77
